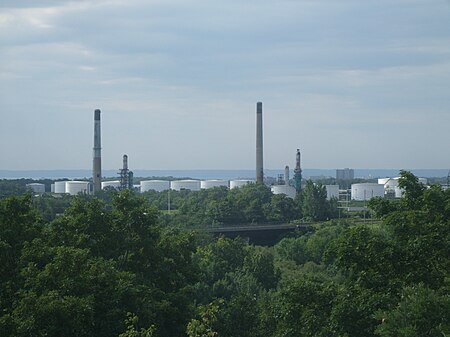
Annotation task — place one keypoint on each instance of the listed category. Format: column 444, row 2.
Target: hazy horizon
column 352, row 84
column 212, row 174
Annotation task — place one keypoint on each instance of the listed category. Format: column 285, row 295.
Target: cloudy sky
column 362, row 84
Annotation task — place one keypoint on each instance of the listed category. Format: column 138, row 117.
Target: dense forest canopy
column 114, row 267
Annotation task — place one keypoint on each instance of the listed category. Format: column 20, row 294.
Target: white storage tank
column 204, row 184
column 240, row 182
column 75, row 187
column 36, row 187
column 178, row 185
column 155, row 185
column 367, row 191
column 383, row 181
column 60, row 187
column 391, row 185
column 284, row 189
column 332, row 191
column 423, row 181
column 398, row 192
column 112, row 183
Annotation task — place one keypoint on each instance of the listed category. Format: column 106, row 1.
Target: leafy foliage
column 112, row 266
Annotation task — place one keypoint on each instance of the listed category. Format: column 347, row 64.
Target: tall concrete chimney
column 298, row 173
column 259, row 144
column 286, row 175
column 97, row 164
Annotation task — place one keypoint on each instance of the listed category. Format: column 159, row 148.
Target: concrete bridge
column 260, row 234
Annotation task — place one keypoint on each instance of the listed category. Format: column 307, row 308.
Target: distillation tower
column 298, row 173
column 125, row 175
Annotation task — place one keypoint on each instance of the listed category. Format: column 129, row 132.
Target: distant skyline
column 359, row 84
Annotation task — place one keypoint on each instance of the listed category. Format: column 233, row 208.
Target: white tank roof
column 332, row 191
column 284, row 189
column 213, row 183
column 111, row 183
column 75, row 187
column 367, row 191
column 193, row 185
column 240, row 182
column 36, row 187
column 156, row 185
column 60, row 187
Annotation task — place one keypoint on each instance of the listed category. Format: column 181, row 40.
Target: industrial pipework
column 97, row 154
column 298, row 173
column 259, row 144
column 126, row 176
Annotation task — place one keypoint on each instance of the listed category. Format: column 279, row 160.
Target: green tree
column 314, row 201
column 19, row 225
column 412, row 188
column 304, row 308
column 133, row 330
column 204, row 326
column 280, row 209
column 420, row 312
column 382, row 207
column 260, row 263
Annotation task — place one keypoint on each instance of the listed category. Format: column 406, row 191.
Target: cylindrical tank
column 156, row 185
column 284, row 189
column 52, row 188
column 391, row 184
column 204, row 184
column 367, row 191
column 398, row 192
column 75, row 187
column 36, row 187
column 193, row 185
column 240, row 182
column 332, row 191
column 60, row 187
column 111, row 183
column 423, row 181
column 383, row 181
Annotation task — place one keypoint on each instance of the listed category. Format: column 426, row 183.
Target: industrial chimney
column 97, row 164
column 259, row 144
column 286, row 175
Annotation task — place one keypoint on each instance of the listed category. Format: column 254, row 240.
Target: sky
column 360, row 84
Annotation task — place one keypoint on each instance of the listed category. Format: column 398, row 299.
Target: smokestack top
column 97, row 115
column 259, row 107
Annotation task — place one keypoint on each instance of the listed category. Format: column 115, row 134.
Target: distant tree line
column 253, row 203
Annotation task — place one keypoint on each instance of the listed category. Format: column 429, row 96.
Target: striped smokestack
column 259, row 144
column 97, row 153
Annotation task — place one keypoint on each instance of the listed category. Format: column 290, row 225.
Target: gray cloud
column 177, row 80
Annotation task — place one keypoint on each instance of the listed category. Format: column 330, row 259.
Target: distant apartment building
column 345, row 174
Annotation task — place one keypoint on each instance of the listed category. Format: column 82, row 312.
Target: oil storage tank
column 60, row 187
column 287, row 190
column 112, row 183
column 75, row 187
column 36, row 187
column 155, row 185
column 367, row 191
column 240, row 182
column 205, row 184
column 332, row 191
column 188, row 184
